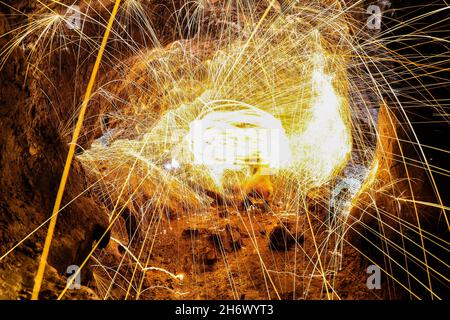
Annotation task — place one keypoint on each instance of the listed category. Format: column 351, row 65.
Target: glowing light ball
column 234, row 139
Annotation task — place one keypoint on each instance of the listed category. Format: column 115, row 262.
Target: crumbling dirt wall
column 33, row 107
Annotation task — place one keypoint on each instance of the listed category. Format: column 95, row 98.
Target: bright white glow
column 174, row 164
column 235, row 139
column 326, row 142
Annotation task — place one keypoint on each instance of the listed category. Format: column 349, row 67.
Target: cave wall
column 395, row 216
column 38, row 111
column 35, row 104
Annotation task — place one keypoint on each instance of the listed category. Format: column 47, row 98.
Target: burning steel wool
column 228, row 150
column 293, row 125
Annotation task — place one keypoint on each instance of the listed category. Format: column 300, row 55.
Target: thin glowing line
column 145, row 269
column 62, row 185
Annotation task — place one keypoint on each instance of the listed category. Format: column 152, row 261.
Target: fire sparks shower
column 225, row 149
